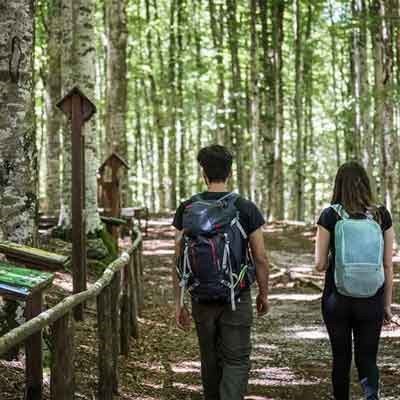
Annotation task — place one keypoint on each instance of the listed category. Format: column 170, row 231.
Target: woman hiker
column 354, row 245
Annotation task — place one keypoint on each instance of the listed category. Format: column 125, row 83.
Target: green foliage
column 329, row 105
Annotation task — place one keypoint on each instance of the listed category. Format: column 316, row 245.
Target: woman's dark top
column 328, row 220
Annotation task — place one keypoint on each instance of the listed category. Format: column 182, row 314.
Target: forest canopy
column 294, row 88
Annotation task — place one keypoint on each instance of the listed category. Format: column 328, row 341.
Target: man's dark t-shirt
column 250, row 216
column 328, row 220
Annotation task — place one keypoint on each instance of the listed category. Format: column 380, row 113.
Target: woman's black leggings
column 362, row 317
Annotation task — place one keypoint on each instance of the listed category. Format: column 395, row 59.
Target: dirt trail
column 291, row 354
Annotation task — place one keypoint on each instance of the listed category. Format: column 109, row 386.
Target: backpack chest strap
column 236, row 222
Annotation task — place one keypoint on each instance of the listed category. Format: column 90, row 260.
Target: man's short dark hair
column 216, row 162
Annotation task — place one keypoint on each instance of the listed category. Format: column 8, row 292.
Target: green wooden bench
column 17, row 283
column 33, row 257
column 112, row 221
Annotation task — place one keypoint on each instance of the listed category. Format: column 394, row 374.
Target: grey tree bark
column 78, row 68
column 18, row 162
column 116, row 90
column 53, row 115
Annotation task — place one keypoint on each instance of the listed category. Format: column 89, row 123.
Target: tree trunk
column 335, row 86
column 156, row 100
column 83, row 59
column 198, row 89
column 53, row 115
column 217, row 31
column 254, row 117
column 78, row 68
column 181, row 11
column 368, row 150
column 172, row 109
column 67, row 82
column 299, row 115
column 267, row 134
column 116, row 90
column 236, row 92
column 18, row 163
column 383, row 120
column 278, row 202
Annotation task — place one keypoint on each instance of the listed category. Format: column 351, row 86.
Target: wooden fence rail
column 119, row 295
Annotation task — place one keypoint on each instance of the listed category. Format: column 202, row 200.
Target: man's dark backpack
column 215, row 263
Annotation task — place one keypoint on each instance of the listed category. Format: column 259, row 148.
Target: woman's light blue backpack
column 358, row 255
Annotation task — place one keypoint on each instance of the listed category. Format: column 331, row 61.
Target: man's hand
column 262, row 304
column 182, row 317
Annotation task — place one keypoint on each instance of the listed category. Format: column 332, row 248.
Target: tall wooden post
column 78, row 109
column 33, row 351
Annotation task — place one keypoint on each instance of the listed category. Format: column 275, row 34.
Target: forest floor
column 291, row 353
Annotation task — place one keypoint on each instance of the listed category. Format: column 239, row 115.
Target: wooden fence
column 119, row 298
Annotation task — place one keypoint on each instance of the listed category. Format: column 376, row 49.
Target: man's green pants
column 225, row 346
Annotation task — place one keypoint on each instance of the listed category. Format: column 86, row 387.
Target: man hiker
column 220, row 251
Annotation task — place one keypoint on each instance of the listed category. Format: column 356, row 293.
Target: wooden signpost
column 79, row 109
column 109, row 191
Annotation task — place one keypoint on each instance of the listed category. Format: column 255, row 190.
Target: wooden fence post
column 33, row 352
column 115, row 288
column 138, row 282
column 62, row 380
column 133, row 297
column 105, row 355
column 125, row 311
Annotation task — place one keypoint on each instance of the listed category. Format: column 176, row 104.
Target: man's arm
column 182, row 316
column 175, row 281
column 257, row 246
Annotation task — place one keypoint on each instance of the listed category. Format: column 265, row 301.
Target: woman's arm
column 388, row 268
column 322, row 248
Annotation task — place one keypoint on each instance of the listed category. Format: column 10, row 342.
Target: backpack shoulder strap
column 340, row 211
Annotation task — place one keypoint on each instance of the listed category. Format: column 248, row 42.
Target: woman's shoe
column 370, row 392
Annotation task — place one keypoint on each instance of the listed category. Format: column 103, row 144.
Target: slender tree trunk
column 267, row 136
column 309, row 150
column 67, row 82
column 335, row 85
column 198, row 88
column 217, row 31
column 116, row 91
column 368, row 150
column 278, row 203
column 254, row 101
column 299, row 115
column 181, row 18
column 158, row 104
column 18, row 162
column 139, row 143
column 236, row 104
column 53, row 115
column 354, row 140
column 383, row 120
column 172, row 108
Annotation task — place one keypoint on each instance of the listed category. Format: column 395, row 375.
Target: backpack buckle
column 226, row 238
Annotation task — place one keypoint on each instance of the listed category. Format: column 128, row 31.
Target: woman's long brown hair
column 353, row 189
